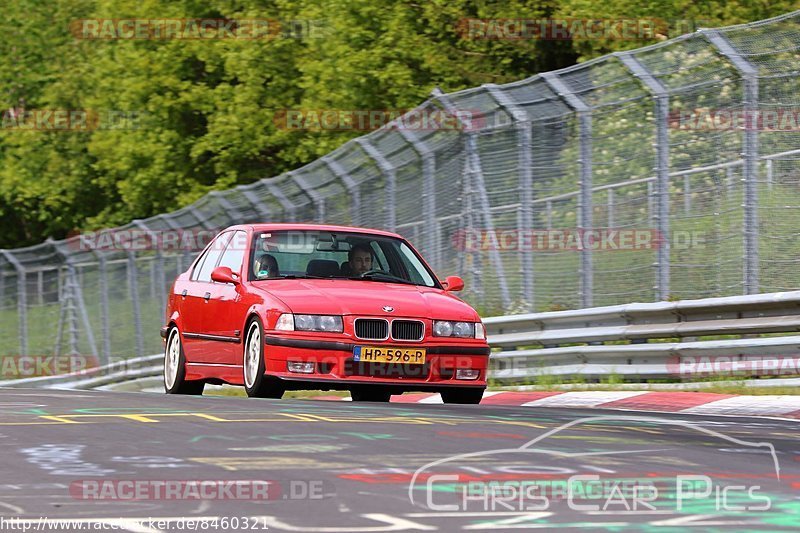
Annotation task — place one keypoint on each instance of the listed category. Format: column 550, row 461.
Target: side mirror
column 453, row 284
column 224, row 275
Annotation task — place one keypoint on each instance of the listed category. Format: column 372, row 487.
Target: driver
column 359, row 258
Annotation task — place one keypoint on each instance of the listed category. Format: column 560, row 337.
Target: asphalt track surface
column 340, row 466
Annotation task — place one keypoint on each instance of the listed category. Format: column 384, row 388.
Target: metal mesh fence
column 622, row 179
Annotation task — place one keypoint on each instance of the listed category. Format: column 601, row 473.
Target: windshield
column 323, row 254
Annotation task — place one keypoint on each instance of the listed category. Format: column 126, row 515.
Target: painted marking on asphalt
column 59, row 419
column 387, row 523
column 235, row 464
column 750, row 405
column 152, row 418
column 583, row 398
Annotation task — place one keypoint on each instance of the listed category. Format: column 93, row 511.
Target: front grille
column 372, row 329
column 408, row 330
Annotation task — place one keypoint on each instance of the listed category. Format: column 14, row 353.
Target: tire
column 256, row 384
column 462, row 396
column 370, row 394
column 175, row 368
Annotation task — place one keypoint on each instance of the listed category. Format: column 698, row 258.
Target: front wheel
column 462, row 396
column 256, row 384
column 175, row 368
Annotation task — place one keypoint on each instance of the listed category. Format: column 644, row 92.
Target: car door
column 196, row 296
column 225, row 312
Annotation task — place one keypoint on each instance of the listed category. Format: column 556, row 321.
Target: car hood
column 353, row 297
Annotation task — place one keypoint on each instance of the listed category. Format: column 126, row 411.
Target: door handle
column 183, row 294
column 206, row 296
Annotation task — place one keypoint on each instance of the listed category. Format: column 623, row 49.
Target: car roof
column 314, row 227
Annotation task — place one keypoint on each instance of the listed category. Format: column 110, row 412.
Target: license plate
column 383, row 354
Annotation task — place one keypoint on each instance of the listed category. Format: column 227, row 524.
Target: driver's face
column 361, row 262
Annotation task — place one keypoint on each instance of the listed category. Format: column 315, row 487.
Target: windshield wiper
column 302, row 276
column 384, row 277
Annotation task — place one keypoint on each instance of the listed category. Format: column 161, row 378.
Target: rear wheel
column 370, row 394
column 463, row 396
column 175, row 368
column 256, row 384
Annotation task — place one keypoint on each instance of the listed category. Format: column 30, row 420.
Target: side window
column 203, row 270
column 234, row 253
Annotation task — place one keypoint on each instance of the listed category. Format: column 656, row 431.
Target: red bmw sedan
column 277, row 307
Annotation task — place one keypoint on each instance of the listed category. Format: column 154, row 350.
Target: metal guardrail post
column 525, row 168
column 316, row 198
column 389, row 173
column 158, row 278
column 584, row 113
column 476, row 172
column 352, row 189
column 133, row 284
column 22, row 301
column 391, row 180
column 73, row 304
column 263, row 212
column 105, row 327
column 289, row 207
column 661, row 215
column 749, row 74
column 428, row 194
column 72, row 286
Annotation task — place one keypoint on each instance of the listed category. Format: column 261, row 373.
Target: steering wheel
column 376, row 271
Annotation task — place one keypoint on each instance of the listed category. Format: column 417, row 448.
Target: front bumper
column 335, row 368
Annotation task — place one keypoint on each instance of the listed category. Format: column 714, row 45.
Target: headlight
column 442, row 328
column 464, row 330
column 327, row 323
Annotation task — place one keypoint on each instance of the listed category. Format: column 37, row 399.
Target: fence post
column 352, row 189
column 248, row 192
column 105, row 327
column 525, row 166
column 133, row 284
column 316, row 198
column 22, row 301
column 585, row 224
column 476, row 171
column 391, row 180
column 769, row 174
column 289, row 207
column 428, row 194
column 157, row 276
column 661, row 214
column 749, row 74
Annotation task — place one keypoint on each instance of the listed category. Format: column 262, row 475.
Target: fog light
column 300, row 368
column 467, row 374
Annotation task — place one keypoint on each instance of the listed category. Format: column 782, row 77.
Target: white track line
column 583, row 398
column 748, row 405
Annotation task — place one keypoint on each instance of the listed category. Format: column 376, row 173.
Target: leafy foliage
column 203, row 110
